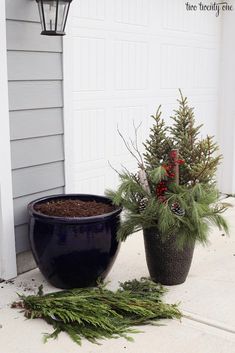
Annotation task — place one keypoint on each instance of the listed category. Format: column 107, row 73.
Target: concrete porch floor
column 207, row 300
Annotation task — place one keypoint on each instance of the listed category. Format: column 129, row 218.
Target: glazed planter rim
column 72, row 220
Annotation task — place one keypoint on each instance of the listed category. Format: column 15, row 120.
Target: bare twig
column 114, row 168
column 126, row 170
column 135, row 142
column 128, row 147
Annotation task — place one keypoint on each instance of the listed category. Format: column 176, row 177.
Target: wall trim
column 7, row 234
column 226, row 123
column 68, row 106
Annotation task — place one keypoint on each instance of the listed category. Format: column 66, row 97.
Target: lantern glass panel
column 41, row 15
column 62, row 16
column 50, row 14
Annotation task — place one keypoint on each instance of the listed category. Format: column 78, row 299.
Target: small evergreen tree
column 199, row 155
column 159, row 144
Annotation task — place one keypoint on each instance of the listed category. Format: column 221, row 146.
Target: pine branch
column 98, row 313
column 198, row 202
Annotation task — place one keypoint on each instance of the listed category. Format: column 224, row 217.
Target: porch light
column 53, row 16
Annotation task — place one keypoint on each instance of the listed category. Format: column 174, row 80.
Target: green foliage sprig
column 198, row 201
column 98, row 313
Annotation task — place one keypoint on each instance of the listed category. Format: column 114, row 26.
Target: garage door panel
column 127, row 120
column 132, row 12
column 89, row 64
column 93, row 122
column 92, row 183
column 171, row 14
column 109, row 65
column 124, row 95
column 97, row 180
column 172, row 76
column 103, row 125
column 89, row 9
column 131, row 65
column 205, row 73
column 122, row 14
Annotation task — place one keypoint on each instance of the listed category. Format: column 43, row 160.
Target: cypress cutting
column 98, row 313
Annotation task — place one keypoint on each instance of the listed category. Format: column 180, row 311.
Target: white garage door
column 122, row 58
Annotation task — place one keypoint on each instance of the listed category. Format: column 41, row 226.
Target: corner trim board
column 8, row 267
column 68, row 111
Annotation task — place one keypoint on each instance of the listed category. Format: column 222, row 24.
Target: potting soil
column 73, row 208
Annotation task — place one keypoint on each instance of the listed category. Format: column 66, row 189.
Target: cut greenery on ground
column 98, row 313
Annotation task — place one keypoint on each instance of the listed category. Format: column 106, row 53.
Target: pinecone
column 177, row 210
column 142, row 204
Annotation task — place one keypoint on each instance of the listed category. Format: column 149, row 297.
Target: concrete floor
column 207, row 300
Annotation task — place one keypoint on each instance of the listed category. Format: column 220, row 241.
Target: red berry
column 173, row 154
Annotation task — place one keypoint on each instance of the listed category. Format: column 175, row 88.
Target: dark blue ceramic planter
column 74, row 252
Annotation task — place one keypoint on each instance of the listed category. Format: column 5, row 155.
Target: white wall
column 227, row 107
column 125, row 58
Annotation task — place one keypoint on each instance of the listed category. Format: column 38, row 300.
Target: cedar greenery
column 195, row 195
column 98, row 313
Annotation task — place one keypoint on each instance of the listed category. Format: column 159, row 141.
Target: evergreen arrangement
column 174, row 188
column 98, row 313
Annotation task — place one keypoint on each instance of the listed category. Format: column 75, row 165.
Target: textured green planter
column 166, row 264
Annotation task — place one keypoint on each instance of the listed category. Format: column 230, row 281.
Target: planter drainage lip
column 73, row 220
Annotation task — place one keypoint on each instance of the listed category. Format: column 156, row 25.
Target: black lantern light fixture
column 53, row 16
